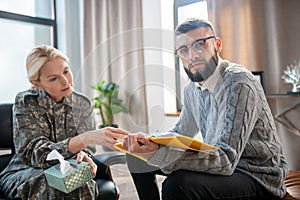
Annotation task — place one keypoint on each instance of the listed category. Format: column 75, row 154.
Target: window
column 24, row 25
column 184, row 9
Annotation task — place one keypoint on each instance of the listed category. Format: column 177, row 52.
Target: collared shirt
column 235, row 117
column 211, row 82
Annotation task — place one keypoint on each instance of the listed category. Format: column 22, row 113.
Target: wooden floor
column 123, row 179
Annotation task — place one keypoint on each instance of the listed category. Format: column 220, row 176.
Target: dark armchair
column 107, row 188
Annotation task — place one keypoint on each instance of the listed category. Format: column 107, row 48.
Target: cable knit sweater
column 232, row 114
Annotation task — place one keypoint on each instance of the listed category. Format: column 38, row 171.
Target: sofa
column 108, row 190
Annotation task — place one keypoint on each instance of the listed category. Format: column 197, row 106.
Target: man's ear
column 219, row 45
column 37, row 84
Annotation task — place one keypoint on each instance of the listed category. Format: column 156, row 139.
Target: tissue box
column 71, row 180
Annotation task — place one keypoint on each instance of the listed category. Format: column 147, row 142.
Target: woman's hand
column 107, row 136
column 138, row 143
column 82, row 156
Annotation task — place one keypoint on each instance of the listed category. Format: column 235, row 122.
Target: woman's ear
column 37, row 84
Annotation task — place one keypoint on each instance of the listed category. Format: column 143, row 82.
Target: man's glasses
column 198, row 46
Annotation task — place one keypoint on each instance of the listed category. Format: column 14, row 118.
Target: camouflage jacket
column 41, row 125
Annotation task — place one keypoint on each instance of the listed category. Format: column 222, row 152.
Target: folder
column 174, row 140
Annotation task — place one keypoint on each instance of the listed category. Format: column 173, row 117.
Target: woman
column 51, row 116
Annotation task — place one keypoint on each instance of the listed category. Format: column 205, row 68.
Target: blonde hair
column 39, row 56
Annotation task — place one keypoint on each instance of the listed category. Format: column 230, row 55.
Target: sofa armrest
column 112, row 158
column 106, row 187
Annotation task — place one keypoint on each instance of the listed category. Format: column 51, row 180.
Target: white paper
column 64, row 165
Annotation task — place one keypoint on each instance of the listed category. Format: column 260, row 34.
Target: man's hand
column 138, row 143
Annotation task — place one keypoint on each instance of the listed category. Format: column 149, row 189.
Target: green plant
column 108, row 101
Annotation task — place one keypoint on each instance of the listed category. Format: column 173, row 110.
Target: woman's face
column 56, row 79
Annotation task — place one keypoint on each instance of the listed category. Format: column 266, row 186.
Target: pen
column 155, row 133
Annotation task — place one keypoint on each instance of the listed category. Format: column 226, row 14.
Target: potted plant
column 108, row 102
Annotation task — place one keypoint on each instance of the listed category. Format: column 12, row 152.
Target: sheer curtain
column 113, row 51
column 264, row 36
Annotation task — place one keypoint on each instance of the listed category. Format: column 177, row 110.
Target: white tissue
column 64, row 165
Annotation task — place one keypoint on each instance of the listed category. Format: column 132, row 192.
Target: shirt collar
column 211, row 82
column 48, row 103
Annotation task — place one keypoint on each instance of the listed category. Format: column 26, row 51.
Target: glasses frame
column 191, row 45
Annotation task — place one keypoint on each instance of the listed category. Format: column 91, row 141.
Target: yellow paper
column 119, row 146
column 177, row 141
column 183, row 142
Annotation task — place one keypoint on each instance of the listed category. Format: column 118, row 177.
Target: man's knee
column 179, row 185
column 171, row 188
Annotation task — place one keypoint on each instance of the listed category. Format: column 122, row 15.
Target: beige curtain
column 113, row 51
column 237, row 22
column 264, row 36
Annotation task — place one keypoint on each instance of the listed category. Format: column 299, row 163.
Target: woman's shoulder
column 25, row 96
column 80, row 98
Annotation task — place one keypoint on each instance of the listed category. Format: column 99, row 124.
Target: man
column 225, row 104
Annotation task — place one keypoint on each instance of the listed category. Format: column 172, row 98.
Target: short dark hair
column 192, row 24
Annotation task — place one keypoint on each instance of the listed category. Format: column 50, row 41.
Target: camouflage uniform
column 41, row 125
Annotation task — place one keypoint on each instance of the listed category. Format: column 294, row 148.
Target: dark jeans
column 184, row 184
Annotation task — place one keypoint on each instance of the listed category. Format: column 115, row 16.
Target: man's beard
column 209, row 69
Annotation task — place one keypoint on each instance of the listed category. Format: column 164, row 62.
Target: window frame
column 34, row 20
column 14, row 19
column 177, row 4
